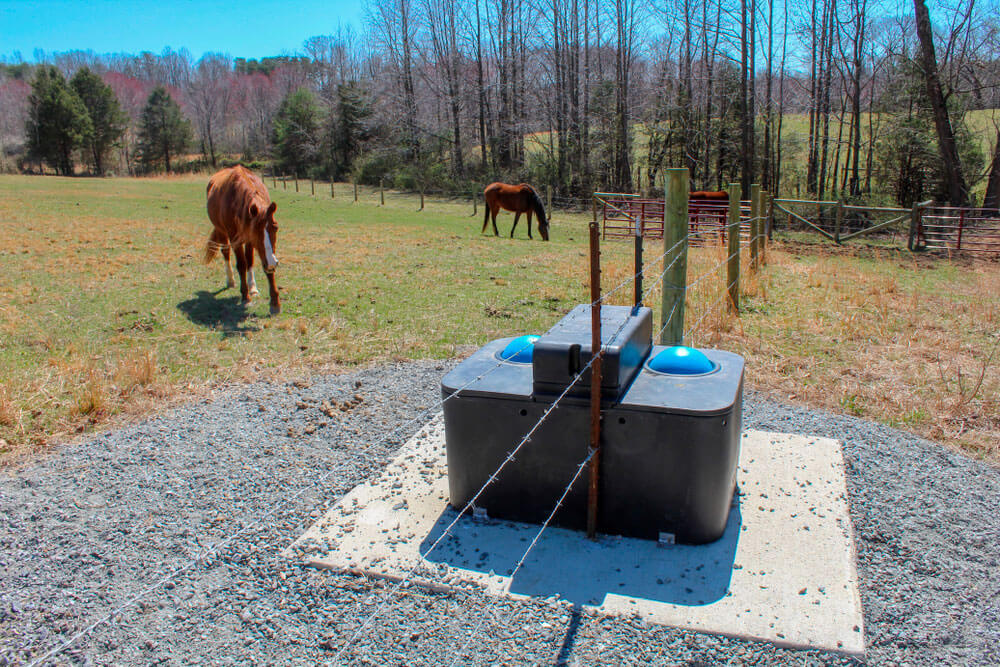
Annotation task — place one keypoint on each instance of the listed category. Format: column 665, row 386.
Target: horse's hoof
column 275, row 310
column 254, row 291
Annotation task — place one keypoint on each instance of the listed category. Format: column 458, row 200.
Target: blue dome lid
column 681, row 360
column 520, row 349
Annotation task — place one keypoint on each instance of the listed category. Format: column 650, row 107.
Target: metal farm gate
column 622, row 213
column 949, row 229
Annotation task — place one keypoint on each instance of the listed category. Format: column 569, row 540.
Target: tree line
column 860, row 99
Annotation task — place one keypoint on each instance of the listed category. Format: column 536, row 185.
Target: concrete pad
column 784, row 570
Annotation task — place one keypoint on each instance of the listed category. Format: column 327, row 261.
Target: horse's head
column 264, row 231
column 543, row 219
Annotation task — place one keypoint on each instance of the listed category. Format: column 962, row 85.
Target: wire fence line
column 510, row 456
column 209, row 551
column 206, row 552
column 379, row 193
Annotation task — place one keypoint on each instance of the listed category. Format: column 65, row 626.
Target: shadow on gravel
column 206, row 309
column 584, row 572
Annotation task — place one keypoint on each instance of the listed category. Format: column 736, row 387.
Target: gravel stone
column 235, row 479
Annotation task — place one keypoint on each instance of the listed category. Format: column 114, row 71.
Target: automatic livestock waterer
column 669, row 440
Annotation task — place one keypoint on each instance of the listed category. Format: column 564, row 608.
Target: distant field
column 108, row 312
column 795, row 143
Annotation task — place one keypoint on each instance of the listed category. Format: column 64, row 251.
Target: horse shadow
column 226, row 314
column 585, row 572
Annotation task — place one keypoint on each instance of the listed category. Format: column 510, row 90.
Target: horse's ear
column 271, row 209
column 254, row 211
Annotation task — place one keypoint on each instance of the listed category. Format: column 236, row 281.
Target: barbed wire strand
column 211, row 549
column 490, row 480
column 465, row 508
column 524, row 556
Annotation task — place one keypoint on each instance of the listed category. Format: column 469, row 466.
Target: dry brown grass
column 913, row 344
column 136, row 370
column 10, row 416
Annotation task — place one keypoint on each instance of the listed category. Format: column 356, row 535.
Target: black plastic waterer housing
column 669, row 442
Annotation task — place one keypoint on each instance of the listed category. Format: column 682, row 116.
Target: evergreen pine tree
column 351, row 131
column 164, row 131
column 57, row 121
column 108, row 121
column 297, row 132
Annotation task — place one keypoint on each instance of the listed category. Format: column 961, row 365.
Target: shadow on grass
column 226, row 314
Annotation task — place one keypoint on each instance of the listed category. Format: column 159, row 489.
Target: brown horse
column 242, row 216
column 518, row 199
column 715, row 195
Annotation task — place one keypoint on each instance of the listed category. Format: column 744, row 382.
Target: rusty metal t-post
column 637, row 273
column 595, row 379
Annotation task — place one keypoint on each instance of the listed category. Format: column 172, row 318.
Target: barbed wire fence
column 677, row 250
column 755, row 236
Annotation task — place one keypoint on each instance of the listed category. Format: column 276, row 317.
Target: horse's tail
column 211, row 250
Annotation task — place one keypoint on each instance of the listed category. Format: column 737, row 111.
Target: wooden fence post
column 381, row 191
column 355, row 182
column 733, row 247
column 915, row 213
column 838, row 221
column 421, row 199
column 274, row 180
column 765, row 228
column 332, row 193
column 754, row 225
column 548, row 199
column 296, row 181
column 770, row 216
column 284, row 182
column 312, row 185
column 475, row 203
column 675, row 232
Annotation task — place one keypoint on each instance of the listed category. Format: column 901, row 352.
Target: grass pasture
column 106, row 310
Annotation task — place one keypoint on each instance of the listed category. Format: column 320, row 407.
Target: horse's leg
column 517, row 215
column 241, row 268
column 493, row 211
column 486, row 217
column 218, row 240
column 251, row 282
column 529, row 222
column 230, row 278
column 273, row 289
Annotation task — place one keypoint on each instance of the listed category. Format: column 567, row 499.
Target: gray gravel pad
column 97, row 522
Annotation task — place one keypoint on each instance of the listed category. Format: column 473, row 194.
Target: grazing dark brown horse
column 518, row 199
column 709, row 194
column 242, row 216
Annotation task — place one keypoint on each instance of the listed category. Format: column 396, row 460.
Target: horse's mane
column 536, row 203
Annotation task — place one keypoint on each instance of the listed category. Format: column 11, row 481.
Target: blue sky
column 260, row 28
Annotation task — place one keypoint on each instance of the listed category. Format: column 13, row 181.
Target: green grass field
column 107, row 310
